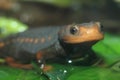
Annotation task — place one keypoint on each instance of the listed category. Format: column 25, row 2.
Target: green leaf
column 94, row 73
column 8, row 73
column 109, row 48
column 10, row 26
column 59, row 3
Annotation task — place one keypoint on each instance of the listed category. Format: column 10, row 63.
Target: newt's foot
column 47, row 68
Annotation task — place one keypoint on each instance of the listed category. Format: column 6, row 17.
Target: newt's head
column 81, row 33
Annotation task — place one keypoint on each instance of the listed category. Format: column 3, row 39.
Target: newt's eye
column 74, row 30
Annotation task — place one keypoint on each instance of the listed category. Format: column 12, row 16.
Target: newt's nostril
column 101, row 28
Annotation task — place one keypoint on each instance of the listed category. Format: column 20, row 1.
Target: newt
column 68, row 42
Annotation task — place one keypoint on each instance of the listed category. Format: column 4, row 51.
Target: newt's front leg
column 41, row 61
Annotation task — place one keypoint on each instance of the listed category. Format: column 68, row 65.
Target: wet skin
column 70, row 42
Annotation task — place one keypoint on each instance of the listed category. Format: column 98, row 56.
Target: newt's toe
column 47, row 68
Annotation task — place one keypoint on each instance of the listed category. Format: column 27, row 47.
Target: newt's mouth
column 69, row 39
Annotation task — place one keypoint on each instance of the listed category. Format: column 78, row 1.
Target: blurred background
column 19, row 15
column 35, row 13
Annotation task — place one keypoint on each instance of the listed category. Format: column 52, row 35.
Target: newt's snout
column 80, row 33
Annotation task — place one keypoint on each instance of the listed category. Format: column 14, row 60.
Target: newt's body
column 68, row 42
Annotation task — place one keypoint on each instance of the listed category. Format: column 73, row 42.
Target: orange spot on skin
column 39, row 55
column 2, row 44
column 36, row 40
column 19, row 40
column 49, row 38
column 42, row 40
column 22, row 40
column 47, row 68
column 31, row 40
column 27, row 39
column 13, row 63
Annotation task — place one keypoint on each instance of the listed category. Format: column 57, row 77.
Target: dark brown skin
column 61, row 43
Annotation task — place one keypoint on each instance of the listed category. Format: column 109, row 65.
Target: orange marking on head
column 42, row 40
column 86, row 34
